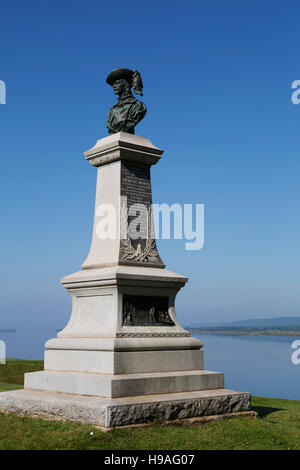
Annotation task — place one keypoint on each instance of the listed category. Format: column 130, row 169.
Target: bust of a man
column 128, row 111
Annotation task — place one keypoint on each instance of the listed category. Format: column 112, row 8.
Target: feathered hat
column 133, row 77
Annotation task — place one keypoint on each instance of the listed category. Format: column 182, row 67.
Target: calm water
column 260, row 365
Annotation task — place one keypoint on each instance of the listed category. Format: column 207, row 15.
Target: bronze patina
column 128, row 111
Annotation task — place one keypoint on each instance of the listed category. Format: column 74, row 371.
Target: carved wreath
column 128, row 252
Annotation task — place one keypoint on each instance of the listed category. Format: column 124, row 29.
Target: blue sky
column 217, row 84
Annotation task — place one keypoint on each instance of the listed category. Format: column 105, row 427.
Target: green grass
column 13, row 371
column 5, row 387
column 277, row 427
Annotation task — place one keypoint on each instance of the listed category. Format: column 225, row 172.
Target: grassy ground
column 277, row 427
column 14, row 369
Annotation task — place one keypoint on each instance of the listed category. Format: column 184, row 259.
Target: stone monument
column 123, row 358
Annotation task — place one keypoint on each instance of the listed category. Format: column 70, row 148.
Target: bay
column 257, row 364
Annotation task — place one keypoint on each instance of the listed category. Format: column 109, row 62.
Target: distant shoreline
column 245, row 332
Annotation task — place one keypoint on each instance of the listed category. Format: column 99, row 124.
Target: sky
column 217, row 85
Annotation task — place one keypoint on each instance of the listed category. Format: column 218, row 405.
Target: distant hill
column 256, row 323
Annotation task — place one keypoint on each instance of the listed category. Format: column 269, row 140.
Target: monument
column 123, row 358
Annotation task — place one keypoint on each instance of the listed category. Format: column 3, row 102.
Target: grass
column 14, row 369
column 276, row 428
column 5, row 387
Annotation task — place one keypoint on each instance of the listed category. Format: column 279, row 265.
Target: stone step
column 123, row 362
column 124, row 385
column 125, row 411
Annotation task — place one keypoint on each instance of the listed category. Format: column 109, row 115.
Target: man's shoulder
column 139, row 103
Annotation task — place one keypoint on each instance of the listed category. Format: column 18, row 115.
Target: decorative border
column 152, row 335
column 103, row 159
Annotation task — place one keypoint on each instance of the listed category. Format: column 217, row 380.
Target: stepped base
column 125, row 411
column 123, row 385
column 123, row 362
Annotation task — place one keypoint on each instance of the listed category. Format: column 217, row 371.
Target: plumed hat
column 133, row 77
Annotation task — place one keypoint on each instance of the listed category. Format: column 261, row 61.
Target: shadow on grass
column 263, row 411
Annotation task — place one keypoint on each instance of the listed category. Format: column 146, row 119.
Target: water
column 260, row 365
column 27, row 344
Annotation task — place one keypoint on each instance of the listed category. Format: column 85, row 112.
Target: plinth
column 123, row 358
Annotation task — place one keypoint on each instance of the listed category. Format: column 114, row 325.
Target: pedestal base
column 122, row 362
column 125, row 411
column 124, row 385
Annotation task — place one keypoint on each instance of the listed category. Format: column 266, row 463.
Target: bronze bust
column 128, row 111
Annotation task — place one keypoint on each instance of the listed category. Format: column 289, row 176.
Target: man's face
column 119, row 86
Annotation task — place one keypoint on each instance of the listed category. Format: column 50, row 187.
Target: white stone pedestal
column 123, row 358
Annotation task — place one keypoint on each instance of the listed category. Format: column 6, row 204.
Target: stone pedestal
column 123, row 346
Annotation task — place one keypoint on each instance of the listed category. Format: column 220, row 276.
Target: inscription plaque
column 138, row 243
